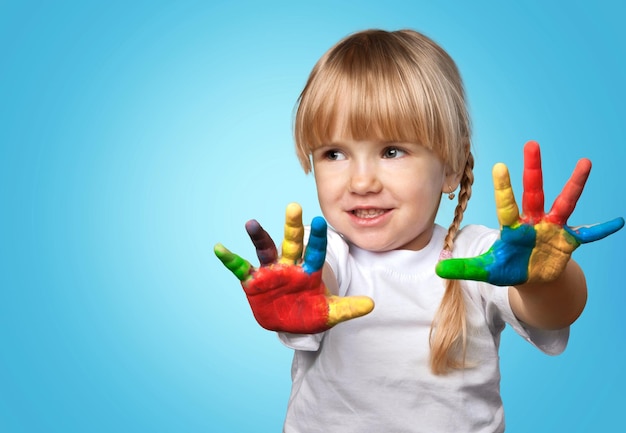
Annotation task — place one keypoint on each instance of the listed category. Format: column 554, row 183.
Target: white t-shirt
column 372, row 374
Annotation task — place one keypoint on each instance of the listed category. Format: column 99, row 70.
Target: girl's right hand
column 287, row 294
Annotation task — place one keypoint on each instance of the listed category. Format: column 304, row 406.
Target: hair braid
column 448, row 333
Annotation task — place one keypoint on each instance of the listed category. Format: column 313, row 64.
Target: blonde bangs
column 382, row 86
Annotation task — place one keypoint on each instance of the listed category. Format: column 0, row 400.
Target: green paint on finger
column 240, row 267
column 458, row 269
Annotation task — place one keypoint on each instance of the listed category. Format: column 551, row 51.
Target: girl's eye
column 335, row 155
column 393, row 152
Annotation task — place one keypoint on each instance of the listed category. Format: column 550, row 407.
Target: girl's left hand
column 533, row 247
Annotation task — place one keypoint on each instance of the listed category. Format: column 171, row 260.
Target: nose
column 364, row 179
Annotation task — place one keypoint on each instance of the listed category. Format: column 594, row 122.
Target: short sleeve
column 475, row 240
column 551, row 342
column 307, row 342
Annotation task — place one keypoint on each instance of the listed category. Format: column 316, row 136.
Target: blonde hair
column 396, row 86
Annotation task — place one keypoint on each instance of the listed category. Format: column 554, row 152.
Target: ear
column 451, row 181
column 452, row 178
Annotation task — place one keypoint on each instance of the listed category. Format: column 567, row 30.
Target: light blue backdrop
column 136, row 135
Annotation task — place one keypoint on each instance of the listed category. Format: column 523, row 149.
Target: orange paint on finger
column 566, row 201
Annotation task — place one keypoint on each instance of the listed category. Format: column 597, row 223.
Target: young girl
column 383, row 124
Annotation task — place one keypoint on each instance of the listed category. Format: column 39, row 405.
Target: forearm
column 552, row 305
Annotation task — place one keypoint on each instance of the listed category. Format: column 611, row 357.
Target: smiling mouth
column 368, row 213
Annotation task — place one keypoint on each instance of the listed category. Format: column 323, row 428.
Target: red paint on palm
column 284, row 298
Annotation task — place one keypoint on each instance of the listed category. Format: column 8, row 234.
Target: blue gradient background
column 136, row 135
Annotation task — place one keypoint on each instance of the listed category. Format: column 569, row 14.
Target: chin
column 376, row 246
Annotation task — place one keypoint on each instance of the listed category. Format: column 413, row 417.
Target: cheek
column 329, row 196
column 326, row 183
column 425, row 194
column 326, row 199
column 322, row 186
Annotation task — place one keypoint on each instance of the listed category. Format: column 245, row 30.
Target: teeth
column 368, row 213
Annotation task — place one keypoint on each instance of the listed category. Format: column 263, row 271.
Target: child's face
column 381, row 196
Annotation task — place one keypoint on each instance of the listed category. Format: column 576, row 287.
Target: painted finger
column 566, row 201
column 265, row 247
column 315, row 252
column 341, row 309
column 463, row 269
column 504, row 264
column 294, row 235
column 240, row 267
column 506, row 207
column 533, row 198
column 586, row 234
